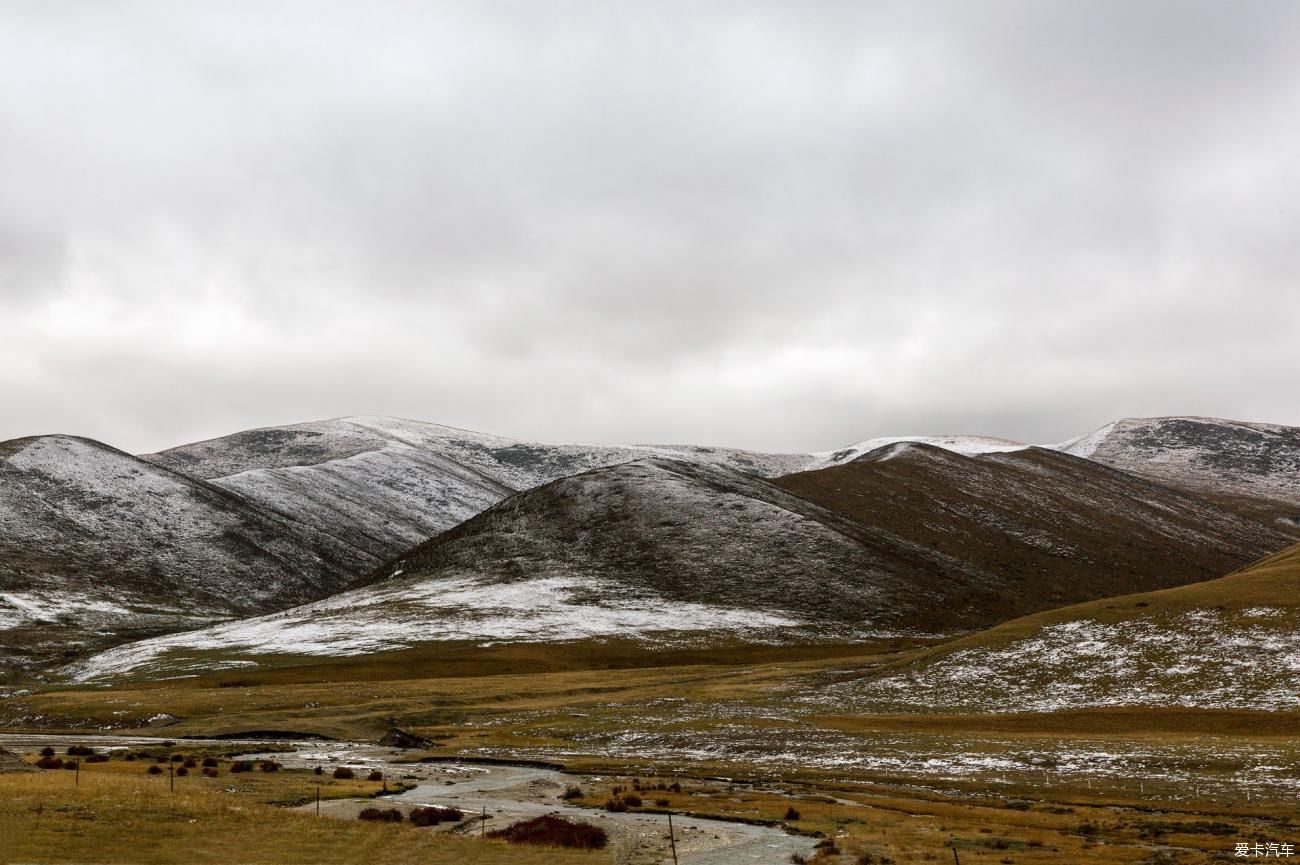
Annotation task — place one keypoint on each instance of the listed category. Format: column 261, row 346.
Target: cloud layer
column 776, row 225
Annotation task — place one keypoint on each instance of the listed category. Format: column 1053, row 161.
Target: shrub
column 190, row 763
column 431, row 816
column 382, row 815
column 632, row 800
column 72, row 764
column 130, row 758
column 240, row 766
column 182, row 772
column 178, row 758
column 50, row 763
column 97, row 758
column 791, row 813
column 828, row 847
column 209, row 772
column 80, row 751
column 662, row 803
column 320, row 770
column 270, row 766
column 798, row 859
column 343, row 773
column 571, row 793
column 209, row 762
column 553, row 831
column 617, row 806
column 675, row 787
column 155, row 769
column 376, row 775
column 47, row 751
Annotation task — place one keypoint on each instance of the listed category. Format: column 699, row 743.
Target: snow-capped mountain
column 386, row 484
column 1219, row 457
column 668, row 551
column 97, row 546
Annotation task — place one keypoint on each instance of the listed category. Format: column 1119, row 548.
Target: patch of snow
column 383, row 618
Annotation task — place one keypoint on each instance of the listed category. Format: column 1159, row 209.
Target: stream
column 504, row 793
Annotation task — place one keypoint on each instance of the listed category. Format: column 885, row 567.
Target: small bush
column 571, row 793
column 178, row 758
column 828, row 847
column 130, row 758
column 270, row 766
column 80, row 751
column 431, row 816
column 551, row 831
column 320, row 770
column 791, row 813
column 155, row 770
column 240, row 766
column 182, row 772
column 381, row 815
column 209, row 772
column 209, row 762
column 47, row 751
column 662, row 803
column 190, row 763
column 72, row 765
column 675, row 787
column 375, row 776
column 617, row 806
column 97, row 758
column 632, row 800
column 798, row 859
column 343, row 773
column 50, row 763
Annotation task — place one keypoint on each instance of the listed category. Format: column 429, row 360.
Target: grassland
column 119, row 814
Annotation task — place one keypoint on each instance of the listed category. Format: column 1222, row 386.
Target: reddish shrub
column 47, row 751
column 375, row 776
column 209, row 772
column 791, row 813
column 178, row 758
column 80, row 751
column 182, row 772
column 155, row 769
column 97, row 758
column 270, row 766
column 71, row 764
column 382, row 815
column 191, row 763
column 343, row 773
column 552, row 831
column 432, row 816
column 209, row 762
column 618, row 806
column 240, row 766
column 50, row 763
column 632, row 800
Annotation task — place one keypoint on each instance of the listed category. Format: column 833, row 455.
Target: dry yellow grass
column 119, row 816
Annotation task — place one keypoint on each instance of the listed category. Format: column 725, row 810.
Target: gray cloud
column 776, row 225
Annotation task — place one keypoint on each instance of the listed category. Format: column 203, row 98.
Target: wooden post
column 672, row 840
column 171, row 776
column 955, row 858
column 77, row 782
column 318, row 800
column 482, row 830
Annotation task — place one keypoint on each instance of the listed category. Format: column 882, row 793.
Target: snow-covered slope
column 657, row 549
column 386, row 484
column 1233, row 642
column 97, row 546
column 664, row 550
column 964, row 445
column 1253, row 460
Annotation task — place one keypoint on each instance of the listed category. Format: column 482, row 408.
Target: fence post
column 672, row 840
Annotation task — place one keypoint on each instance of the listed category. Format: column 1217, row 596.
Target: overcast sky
column 773, row 225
